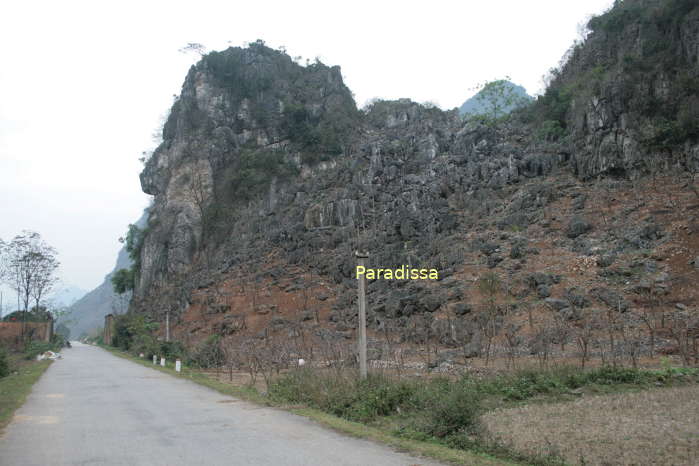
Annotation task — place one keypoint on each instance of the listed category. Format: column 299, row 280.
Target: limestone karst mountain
column 269, row 178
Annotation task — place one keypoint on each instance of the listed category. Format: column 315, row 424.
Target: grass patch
column 562, row 383
column 439, row 417
column 401, row 443
column 448, row 411
column 425, row 448
column 15, row 387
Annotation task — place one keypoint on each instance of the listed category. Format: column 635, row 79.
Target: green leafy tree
column 134, row 242
column 135, row 332
column 123, row 281
column 497, row 99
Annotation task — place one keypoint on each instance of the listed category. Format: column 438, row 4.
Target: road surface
column 94, row 408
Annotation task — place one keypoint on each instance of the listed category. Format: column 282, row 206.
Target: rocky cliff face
column 245, row 121
column 269, row 178
column 630, row 90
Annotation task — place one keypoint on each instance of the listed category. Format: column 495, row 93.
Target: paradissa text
column 405, row 272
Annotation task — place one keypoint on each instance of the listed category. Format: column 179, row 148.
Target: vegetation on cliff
column 237, row 179
column 636, row 61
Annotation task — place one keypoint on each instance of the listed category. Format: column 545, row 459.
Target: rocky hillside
column 269, row 178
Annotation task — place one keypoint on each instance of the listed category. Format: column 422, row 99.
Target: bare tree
column 648, row 312
column 35, row 265
column 631, row 336
column 529, row 307
column 561, row 330
column 270, row 359
column 30, row 268
column 513, row 341
column 231, row 356
column 45, row 277
column 193, row 47
column 471, row 340
column 489, row 285
column 682, row 331
column 612, row 325
column 583, row 340
column 540, row 345
column 249, row 359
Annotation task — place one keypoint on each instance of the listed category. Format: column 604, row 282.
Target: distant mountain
column 87, row 313
column 63, row 296
column 66, row 295
column 476, row 105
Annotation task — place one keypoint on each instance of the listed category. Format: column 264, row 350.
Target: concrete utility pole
column 167, row 325
column 361, row 257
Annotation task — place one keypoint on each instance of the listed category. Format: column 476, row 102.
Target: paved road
column 93, row 408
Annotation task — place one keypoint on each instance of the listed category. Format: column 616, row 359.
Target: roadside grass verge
column 15, row 387
column 440, row 417
column 448, row 411
column 424, row 448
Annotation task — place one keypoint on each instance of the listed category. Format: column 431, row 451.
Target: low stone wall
column 11, row 332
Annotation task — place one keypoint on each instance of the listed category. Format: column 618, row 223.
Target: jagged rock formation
column 245, row 121
column 628, row 94
column 269, row 177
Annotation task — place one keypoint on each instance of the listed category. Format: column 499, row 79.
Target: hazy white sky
column 83, row 86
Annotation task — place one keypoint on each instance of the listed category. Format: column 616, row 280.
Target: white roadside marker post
column 178, row 365
column 155, row 359
column 162, row 362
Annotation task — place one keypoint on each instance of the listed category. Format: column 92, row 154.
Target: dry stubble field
column 644, row 428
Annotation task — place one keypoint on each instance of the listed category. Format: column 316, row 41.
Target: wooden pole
column 361, row 257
